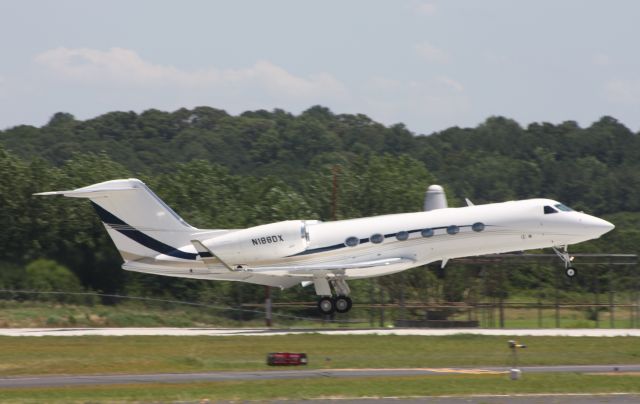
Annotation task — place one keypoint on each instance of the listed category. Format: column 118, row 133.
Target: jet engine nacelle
column 260, row 243
column 435, row 198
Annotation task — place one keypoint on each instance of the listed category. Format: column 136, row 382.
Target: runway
column 221, row 332
column 612, row 398
column 297, row 373
column 58, row 381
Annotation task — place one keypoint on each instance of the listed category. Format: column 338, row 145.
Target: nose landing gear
column 569, row 270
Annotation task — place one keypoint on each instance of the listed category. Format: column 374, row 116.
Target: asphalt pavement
column 620, row 398
column 277, row 374
column 221, row 332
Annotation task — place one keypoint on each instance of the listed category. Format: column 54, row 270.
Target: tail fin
column 139, row 223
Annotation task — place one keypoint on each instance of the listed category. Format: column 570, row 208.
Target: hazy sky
column 428, row 64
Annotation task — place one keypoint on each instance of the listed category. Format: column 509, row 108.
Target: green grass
column 332, row 388
column 568, row 318
column 93, row 355
column 15, row 314
column 109, row 355
column 153, row 314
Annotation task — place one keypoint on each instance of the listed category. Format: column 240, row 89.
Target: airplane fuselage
column 419, row 238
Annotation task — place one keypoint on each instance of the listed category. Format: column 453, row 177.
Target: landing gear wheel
column 343, row 304
column 326, row 305
column 570, row 272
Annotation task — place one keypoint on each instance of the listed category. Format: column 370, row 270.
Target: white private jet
column 153, row 239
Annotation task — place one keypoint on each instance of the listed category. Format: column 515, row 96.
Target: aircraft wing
column 314, row 268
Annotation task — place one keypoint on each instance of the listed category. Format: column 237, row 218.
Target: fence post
column 539, row 312
column 267, row 304
column 612, row 320
column 381, row 306
column 501, row 298
column 597, row 289
column 402, row 315
column 557, row 297
column 636, row 308
column 372, row 300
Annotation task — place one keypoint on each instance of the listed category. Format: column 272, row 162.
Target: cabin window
column 477, row 226
column 453, row 229
column 427, row 233
column 564, row 208
column 548, row 210
column 377, row 238
column 402, row 235
column 352, row 241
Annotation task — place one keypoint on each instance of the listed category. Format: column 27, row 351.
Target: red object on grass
column 286, row 359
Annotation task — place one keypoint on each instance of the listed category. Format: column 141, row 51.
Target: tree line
column 222, row 171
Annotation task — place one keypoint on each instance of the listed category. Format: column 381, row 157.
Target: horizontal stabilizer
column 51, row 193
column 94, row 190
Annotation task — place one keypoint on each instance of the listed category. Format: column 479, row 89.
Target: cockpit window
column 549, row 210
column 563, row 208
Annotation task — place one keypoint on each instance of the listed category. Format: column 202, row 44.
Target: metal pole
column 267, row 306
column 501, row 298
column 636, row 309
column 557, row 297
column 495, row 318
column 381, row 306
column 539, row 312
column 402, row 305
column 632, row 311
column 470, row 302
column 240, row 302
column 597, row 299
column 612, row 320
column 611, row 306
column 470, row 289
column 372, row 300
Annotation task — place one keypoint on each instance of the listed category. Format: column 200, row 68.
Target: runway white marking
column 221, row 332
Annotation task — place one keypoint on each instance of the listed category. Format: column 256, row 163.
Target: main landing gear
column 569, row 270
column 328, row 304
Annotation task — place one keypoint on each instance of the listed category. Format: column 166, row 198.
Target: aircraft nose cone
column 599, row 226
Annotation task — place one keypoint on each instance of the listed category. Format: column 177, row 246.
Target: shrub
column 45, row 275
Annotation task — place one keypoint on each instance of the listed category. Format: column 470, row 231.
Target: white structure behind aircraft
column 152, row 238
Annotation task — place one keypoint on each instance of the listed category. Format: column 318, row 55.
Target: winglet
column 469, row 203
